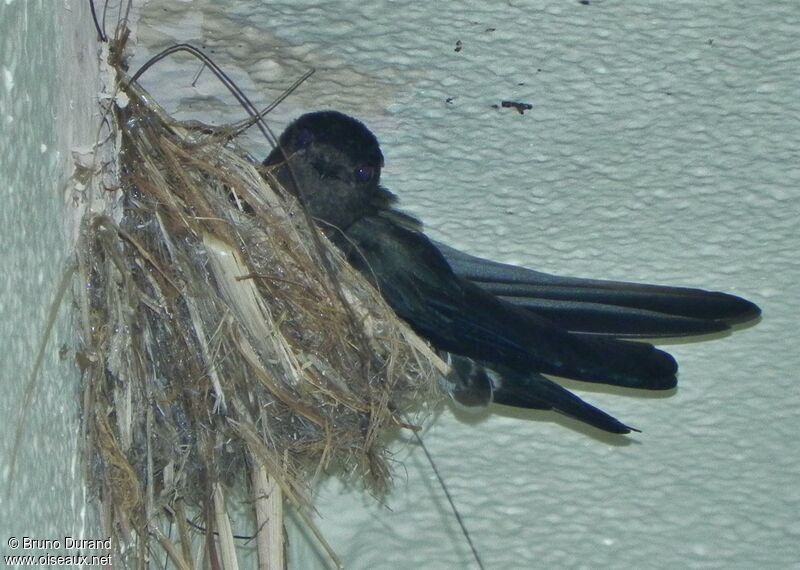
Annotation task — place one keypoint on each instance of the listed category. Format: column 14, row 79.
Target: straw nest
column 223, row 336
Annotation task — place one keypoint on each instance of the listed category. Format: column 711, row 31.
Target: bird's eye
column 364, row 173
column 304, row 138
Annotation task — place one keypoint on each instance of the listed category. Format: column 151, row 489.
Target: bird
column 502, row 328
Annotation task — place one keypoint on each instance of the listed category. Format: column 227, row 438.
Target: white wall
column 47, row 109
column 662, row 147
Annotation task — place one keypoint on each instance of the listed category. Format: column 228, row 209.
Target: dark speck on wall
column 519, row 106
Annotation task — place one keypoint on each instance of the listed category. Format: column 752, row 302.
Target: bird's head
column 332, row 162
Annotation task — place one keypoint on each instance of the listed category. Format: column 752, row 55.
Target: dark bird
column 501, row 327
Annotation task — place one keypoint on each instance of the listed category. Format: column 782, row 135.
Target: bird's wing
column 605, row 308
column 461, row 318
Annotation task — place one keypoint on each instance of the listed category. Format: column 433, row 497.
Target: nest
column 225, row 342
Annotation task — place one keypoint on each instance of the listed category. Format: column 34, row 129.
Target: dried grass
column 226, row 343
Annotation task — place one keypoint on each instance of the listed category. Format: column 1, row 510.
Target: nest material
column 224, row 334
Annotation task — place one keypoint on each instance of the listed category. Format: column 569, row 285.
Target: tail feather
column 534, row 391
column 495, row 331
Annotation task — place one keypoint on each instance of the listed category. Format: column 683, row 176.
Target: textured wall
column 47, row 109
column 661, row 147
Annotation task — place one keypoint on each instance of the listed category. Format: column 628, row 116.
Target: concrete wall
column 48, row 108
column 661, row 147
